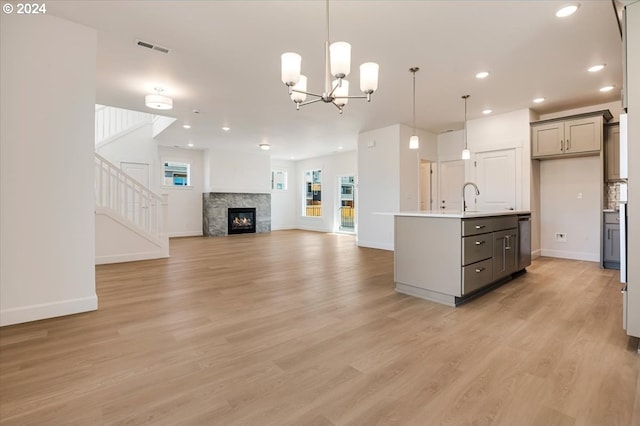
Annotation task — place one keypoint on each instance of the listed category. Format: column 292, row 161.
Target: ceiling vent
column 152, row 46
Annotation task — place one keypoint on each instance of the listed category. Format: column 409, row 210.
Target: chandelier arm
column 307, row 93
column 334, row 89
column 310, row 102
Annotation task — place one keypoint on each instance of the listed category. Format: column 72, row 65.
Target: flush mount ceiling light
column 538, row 100
column 482, row 74
column 596, row 68
column 157, row 101
column 265, row 146
column 607, row 88
column 567, row 11
column 337, row 58
column 466, row 154
column 414, row 141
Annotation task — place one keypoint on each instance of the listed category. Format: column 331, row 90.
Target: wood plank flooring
column 304, row 328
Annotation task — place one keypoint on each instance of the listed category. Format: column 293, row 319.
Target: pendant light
column 414, row 141
column 466, row 154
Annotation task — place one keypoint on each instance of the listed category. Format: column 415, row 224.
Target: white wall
column 378, row 186
column 332, row 166
column 47, row 207
column 283, row 203
column 561, row 182
column 227, row 171
column 137, row 146
column 185, row 203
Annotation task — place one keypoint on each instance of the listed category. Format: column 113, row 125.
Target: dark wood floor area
column 303, row 328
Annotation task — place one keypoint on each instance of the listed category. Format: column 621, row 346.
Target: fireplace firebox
column 242, row 220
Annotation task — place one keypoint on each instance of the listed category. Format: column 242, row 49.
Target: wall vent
column 152, row 46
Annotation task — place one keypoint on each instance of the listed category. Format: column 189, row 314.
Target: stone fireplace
column 219, row 208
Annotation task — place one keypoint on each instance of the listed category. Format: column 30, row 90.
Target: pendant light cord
column 465, row 120
column 414, row 101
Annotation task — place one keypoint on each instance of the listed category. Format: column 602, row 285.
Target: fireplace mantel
column 216, row 204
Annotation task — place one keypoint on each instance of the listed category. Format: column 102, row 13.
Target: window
column 177, row 174
column 279, row 180
column 313, row 193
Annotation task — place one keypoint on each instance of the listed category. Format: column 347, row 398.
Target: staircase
column 131, row 220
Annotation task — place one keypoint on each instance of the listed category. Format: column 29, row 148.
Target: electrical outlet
column 561, row 237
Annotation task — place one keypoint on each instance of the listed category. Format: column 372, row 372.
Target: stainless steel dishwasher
column 524, row 241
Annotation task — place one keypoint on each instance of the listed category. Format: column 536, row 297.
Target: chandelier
column 337, row 58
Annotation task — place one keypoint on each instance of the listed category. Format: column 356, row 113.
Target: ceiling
column 224, row 61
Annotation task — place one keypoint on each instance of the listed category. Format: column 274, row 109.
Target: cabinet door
column 547, row 139
column 583, row 135
column 505, row 259
column 612, row 143
column 611, row 243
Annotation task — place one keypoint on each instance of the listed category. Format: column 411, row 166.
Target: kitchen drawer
column 476, row 276
column 505, row 222
column 476, row 226
column 476, row 248
column 611, row 217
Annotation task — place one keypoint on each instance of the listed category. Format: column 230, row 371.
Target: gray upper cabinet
column 612, row 151
column 570, row 136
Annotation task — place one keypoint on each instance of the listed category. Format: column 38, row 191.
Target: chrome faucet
column 464, row 202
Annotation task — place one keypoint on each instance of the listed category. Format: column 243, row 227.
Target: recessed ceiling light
column 340, row 147
column 292, row 157
column 607, row 88
column 482, row 74
column 265, row 146
column 567, row 11
column 186, row 126
column 538, row 100
column 487, row 111
column 189, row 144
column 596, row 68
column 226, row 129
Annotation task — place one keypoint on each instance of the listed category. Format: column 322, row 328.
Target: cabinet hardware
column 507, row 242
column 561, row 145
column 479, row 242
column 480, row 226
column 568, row 144
column 609, row 234
column 478, row 270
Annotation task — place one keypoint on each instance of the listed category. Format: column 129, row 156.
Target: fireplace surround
column 215, row 211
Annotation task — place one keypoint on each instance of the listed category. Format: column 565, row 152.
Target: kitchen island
column 451, row 257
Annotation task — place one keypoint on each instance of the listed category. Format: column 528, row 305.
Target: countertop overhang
column 457, row 214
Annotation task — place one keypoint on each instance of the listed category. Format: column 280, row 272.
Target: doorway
column 346, row 204
column 426, row 185
column 451, row 181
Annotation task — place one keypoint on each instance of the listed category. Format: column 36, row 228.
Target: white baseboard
column 535, row 254
column 375, row 245
column 186, row 234
column 129, row 257
column 48, row 310
column 282, row 228
column 573, row 255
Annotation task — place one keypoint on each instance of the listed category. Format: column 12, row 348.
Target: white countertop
column 457, row 214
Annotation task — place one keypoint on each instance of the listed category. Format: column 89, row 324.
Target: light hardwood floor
column 303, row 328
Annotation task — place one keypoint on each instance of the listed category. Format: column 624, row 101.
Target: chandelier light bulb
column 300, row 86
column 340, row 54
column 369, row 77
column 290, row 66
column 340, row 92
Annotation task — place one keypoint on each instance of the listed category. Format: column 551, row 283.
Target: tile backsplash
column 613, row 195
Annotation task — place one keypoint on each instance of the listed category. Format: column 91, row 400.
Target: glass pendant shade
column 158, row 102
column 290, row 65
column 340, row 54
column 466, row 154
column 301, row 85
column 414, row 142
column 369, row 77
column 342, row 90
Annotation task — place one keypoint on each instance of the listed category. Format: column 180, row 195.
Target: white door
column 425, row 185
column 496, row 179
column 451, row 180
column 135, row 205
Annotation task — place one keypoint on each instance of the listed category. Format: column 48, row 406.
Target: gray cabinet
column 612, row 152
column 568, row 137
column 611, row 241
column 505, row 246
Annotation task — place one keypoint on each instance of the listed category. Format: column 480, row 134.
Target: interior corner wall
column 283, row 202
column 47, row 203
column 378, row 186
column 332, row 167
column 185, row 203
